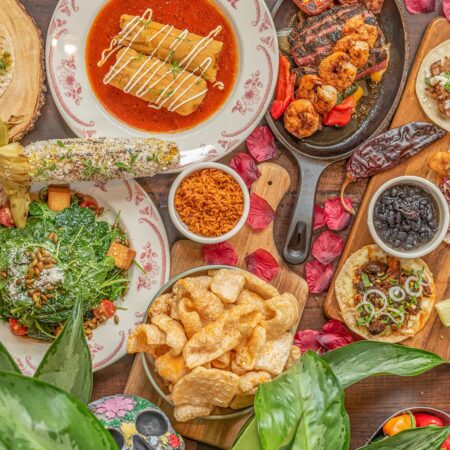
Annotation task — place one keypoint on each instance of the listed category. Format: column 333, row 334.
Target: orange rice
column 209, row 202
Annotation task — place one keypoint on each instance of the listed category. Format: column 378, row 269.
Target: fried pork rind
column 206, row 387
column 241, row 401
column 222, row 362
column 207, row 304
column 281, row 314
column 249, row 348
column 175, row 335
column 184, row 287
column 189, row 317
column 147, row 338
column 248, row 383
column 221, row 336
column 185, row 413
column 293, row 356
column 274, row 355
column 160, row 305
column 174, row 309
column 227, row 285
column 171, row 368
column 248, row 297
column 254, row 284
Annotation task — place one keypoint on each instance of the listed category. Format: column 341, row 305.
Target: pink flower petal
column 261, row 213
column 318, row 276
column 262, row 264
column 261, row 144
column 307, row 340
column 320, row 217
column 246, row 167
column 337, row 217
column 221, row 254
column 334, row 334
column 420, row 6
column 447, row 9
column 327, row 247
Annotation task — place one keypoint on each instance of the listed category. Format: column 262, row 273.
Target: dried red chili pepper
column 388, row 150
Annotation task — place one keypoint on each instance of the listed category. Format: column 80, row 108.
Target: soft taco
column 6, row 60
column 383, row 298
column 439, row 173
column 433, row 85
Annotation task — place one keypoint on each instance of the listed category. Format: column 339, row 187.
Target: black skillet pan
column 330, row 145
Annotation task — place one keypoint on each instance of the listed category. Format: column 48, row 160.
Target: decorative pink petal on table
column 420, row 6
column 223, row 253
column 334, row 334
column 318, row 276
column 320, row 217
column 261, row 144
column 327, row 247
column 337, row 217
column 246, row 167
column 307, row 340
column 262, row 264
column 261, row 213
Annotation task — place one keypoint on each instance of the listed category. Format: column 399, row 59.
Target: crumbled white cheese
column 50, row 277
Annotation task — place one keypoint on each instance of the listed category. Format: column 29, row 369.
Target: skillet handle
column 298, row 241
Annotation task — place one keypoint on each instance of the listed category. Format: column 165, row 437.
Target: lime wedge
column 443, row 309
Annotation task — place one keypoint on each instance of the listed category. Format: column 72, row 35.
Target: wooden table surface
column 368, row 402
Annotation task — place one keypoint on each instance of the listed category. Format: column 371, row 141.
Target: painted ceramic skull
column 136, row 424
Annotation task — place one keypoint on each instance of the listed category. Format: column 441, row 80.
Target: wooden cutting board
column 22, row 101
column 272, row 186
column 434, row 337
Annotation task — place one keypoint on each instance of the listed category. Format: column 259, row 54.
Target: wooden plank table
column 368, row 402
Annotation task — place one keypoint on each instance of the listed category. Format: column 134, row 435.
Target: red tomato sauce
column 199, row 17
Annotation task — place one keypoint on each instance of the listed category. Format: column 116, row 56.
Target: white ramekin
column 182, row 228
column 443, row 212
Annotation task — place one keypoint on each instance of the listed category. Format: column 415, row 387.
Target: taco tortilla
column 433, row 85
column 383, row 298
column 6, row 60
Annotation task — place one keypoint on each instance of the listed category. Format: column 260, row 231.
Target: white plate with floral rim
column 210, row 140
column 142, row 224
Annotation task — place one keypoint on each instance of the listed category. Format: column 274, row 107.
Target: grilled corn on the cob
column 68, row 160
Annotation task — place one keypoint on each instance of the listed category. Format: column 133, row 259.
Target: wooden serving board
column 272, row 186
column 434, row 337
column 24, row 97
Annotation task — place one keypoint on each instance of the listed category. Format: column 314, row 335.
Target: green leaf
column 428, row 438
column 37, row 416
column 248, row 437
column 303, row 409
column 67, row 363
column 363, row 359
column 366, row 280
column 60, row 143
column 7, row 363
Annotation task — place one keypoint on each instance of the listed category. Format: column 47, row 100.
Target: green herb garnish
column 366, row 280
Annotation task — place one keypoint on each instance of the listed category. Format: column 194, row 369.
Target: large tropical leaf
column 7, row 363
column 363, row 359
column 37, row 416
column 428, row 438
column 303, row 409
column 67, row 363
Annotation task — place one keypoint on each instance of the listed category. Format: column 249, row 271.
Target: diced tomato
column 89, row 202
column 6, row 217
column 106, row 308
column 313, row 7
column 16, row 328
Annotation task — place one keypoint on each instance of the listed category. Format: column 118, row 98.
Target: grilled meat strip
column 313, row 39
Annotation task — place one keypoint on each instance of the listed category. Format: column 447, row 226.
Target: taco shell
column 346, row 297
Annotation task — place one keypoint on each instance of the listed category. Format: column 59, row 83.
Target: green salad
column 57, row 257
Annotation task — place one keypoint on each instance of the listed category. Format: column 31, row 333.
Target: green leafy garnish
column 175, row 68
column 60, row 143
column 366, row 280
column 5, row 62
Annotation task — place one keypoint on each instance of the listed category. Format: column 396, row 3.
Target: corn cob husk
column 69, row 160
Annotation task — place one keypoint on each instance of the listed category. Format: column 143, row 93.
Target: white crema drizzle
column 147, row 71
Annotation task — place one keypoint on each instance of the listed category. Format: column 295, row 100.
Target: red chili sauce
column 199, row 17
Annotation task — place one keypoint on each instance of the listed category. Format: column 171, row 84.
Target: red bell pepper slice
column 284, row 94
column 341, row 114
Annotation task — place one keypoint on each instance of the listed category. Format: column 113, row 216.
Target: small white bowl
column 442, row 210
column 179, row 224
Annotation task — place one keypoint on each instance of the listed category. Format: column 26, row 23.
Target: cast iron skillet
column 316, row 153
